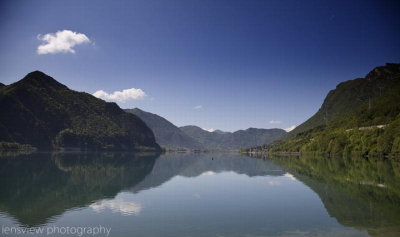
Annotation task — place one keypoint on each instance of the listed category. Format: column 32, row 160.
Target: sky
column 216, row 64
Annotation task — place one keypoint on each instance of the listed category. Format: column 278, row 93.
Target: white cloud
column 123, row 207
column 198, row 107
column 60, row 42
column 275, row 122
column 121, row 96
column 290, row 128
column 209, row 129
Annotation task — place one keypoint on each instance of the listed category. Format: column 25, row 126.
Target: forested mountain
column 219, row 140
column 167, row 134
column 359, row 116
column 46, row 114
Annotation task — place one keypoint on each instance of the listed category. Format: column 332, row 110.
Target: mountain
column 359, row 116
column 46, row 114
column 167, row 134
column 220, row 131
column 219, row 140
column 193, row 137
column 350, row 95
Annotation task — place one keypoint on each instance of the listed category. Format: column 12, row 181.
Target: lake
column 125, row 194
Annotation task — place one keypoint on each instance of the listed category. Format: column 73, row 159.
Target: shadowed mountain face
column 166, row 134
column 35, row 188
column 219, row 140
column 360, row 193
column 42, row 112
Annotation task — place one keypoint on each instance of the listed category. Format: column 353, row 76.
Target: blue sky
column 217, row 64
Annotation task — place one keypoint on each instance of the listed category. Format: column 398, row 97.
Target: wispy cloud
column 60, row 42
column 275, row 122
column 121, row 96
column 290, row 128
column 198, row 107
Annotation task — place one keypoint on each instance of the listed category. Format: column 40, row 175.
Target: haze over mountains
column 166, row 133
column 192, row 137
column 218, row 140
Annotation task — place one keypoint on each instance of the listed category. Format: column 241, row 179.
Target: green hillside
column 360, row 116
column 42, row 112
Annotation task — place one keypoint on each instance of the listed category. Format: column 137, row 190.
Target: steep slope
column 46, row 114
column 349, row 95
column 167, row 134
column 236, row 140
column 360, row 116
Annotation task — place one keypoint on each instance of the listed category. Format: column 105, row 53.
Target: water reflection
column 358, row 192
column 204, row 194
column 35, row 188
column 124, row 207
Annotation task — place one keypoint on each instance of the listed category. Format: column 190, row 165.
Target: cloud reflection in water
column 124, row 207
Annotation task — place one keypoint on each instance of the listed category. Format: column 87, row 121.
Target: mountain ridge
column 39, row 111
column 233, row 140
column 348, row 94
column 167, row 134
column 195, row 138
column 350, row 118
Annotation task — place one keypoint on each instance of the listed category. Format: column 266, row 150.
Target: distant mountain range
column 219, row 140
column 360, row 116
column 46, row 114
column 167, row 134
column 192, row 137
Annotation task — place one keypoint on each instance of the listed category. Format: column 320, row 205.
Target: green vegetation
column 43, row 113
column 348, row 121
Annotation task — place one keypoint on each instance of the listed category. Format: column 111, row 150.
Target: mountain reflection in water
column 203, row 194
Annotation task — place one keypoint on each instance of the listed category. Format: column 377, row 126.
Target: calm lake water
column 198, row 195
